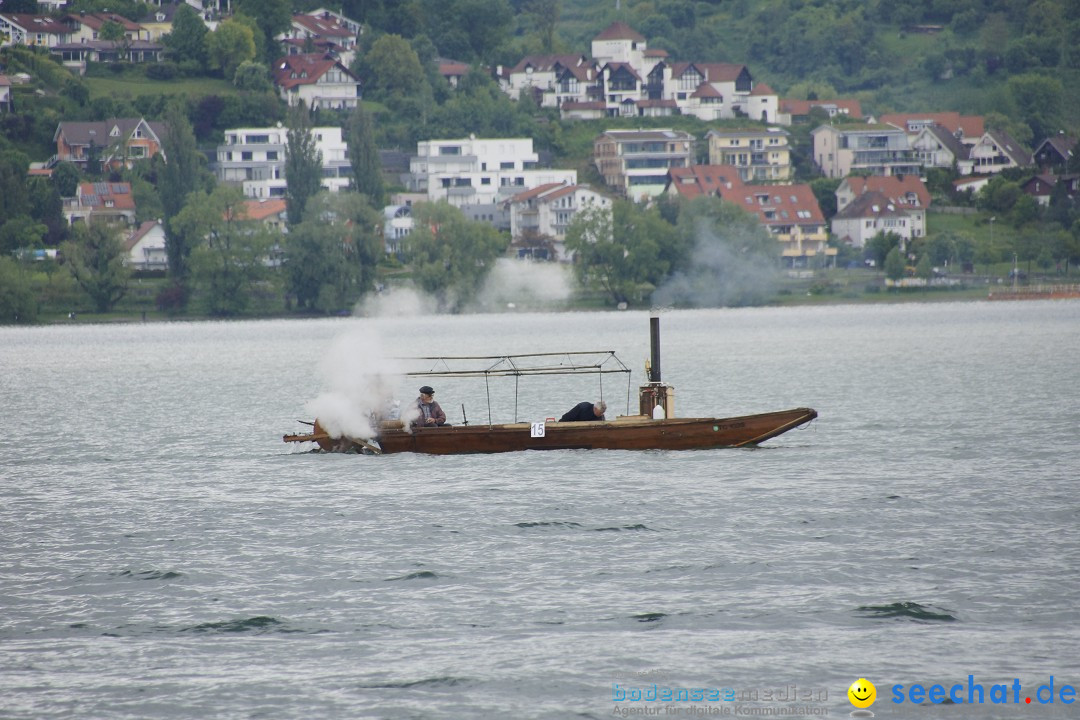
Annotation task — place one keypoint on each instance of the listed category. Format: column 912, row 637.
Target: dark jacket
column 433, row 410
column 582, row 412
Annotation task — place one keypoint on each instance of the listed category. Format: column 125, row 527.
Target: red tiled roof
column 305, row 69
column 762, row 89
column 619, row 30
column 803, row 107
column 38, row 23
column 322, row 27
column 780, row 199
column 894, row 187
column 262, row 209
column 972, row 126
column 696, row 180
column 705, row 90
column 97, row 194
column 534, row 192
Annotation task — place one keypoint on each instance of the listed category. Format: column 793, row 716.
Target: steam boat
column 654, row 428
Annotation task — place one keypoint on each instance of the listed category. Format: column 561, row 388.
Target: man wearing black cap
column 431, row 414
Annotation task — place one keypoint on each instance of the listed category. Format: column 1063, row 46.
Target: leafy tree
column 20, row 6
column 449, row 254
column 940, row 248
column 177, row 179
column 230, row 45
column 19, row 232
column 923, row 269
column 391, row 68
column 252, row 76
column 66, row 179
column 111, row 31
column 47, row 207
column 17, row 301
column 13, row 173
column 95, row 257
column 364, row 157
column 231, row 257
column 331, row 257
column 187, row 41
column 878, row 247
column 894, row 264
column 618, row 250
column 545, row 18
column 303, row 163
column 1039, row 99
column 273, row 18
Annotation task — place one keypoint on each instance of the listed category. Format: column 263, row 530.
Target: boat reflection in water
column 654, row 428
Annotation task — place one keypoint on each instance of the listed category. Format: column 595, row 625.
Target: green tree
column 230, row 45
column 941, row 248
column 450, row 255
column 331, row 257
column 878, row 247
column 187, row 41
column 66, row 179
column 111, row 31
column 619, row 250
column 17, row 301
column 95, row 257
column 391, row 68
column 252, row 76
column 179, row 177
column 273, row 18
column 13, row 173
column 364, row 157
column 545, row 18
column 923, row 268
column 894, row 264
column 1039, row 99
column 231, row 257
column 303, row 163
column 21, row 232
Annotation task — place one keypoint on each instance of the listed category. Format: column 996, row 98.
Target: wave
column 908, row 610
column 259, row 624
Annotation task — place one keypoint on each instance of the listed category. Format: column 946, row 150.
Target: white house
column 478, row 171
column 635, row 163
column 146, row 247
column 34, row 30
column 541, row 216
column 870, row 214
column 995, row 151
column 906, row 193
column 320, row 80
column 254, row 158
column 876, row 149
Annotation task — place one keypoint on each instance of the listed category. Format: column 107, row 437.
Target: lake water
column 164, row 555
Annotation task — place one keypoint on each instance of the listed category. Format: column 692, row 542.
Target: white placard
column 538, row 429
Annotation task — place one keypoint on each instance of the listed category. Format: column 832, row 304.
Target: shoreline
column 889, row 297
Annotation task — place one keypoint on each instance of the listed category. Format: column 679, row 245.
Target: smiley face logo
column 862, row 693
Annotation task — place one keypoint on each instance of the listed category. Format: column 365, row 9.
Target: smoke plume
column 358, row 383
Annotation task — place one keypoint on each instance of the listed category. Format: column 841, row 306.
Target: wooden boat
column 654, row 428
column 633, row 432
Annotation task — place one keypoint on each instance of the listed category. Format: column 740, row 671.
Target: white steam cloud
column 358, row 383
column 525, row 284
column 727, row 268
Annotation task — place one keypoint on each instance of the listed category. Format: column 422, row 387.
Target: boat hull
column 622, row 434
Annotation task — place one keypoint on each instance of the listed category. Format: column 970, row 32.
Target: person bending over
column 585, row 412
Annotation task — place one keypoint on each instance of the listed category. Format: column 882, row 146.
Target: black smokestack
column 654, row 338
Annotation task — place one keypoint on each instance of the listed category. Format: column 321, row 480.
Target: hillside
column 971, row 56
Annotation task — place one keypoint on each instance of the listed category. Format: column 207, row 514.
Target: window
column 271, row 154
column 246, row 155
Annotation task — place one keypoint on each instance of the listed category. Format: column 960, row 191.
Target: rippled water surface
column 163, row 554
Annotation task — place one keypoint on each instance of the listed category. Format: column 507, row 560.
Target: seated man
column 431, row 415
column 585, row 411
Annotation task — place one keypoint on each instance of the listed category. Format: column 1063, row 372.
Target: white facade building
column 254, row 158
column 545, row 213
column 474, row 171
